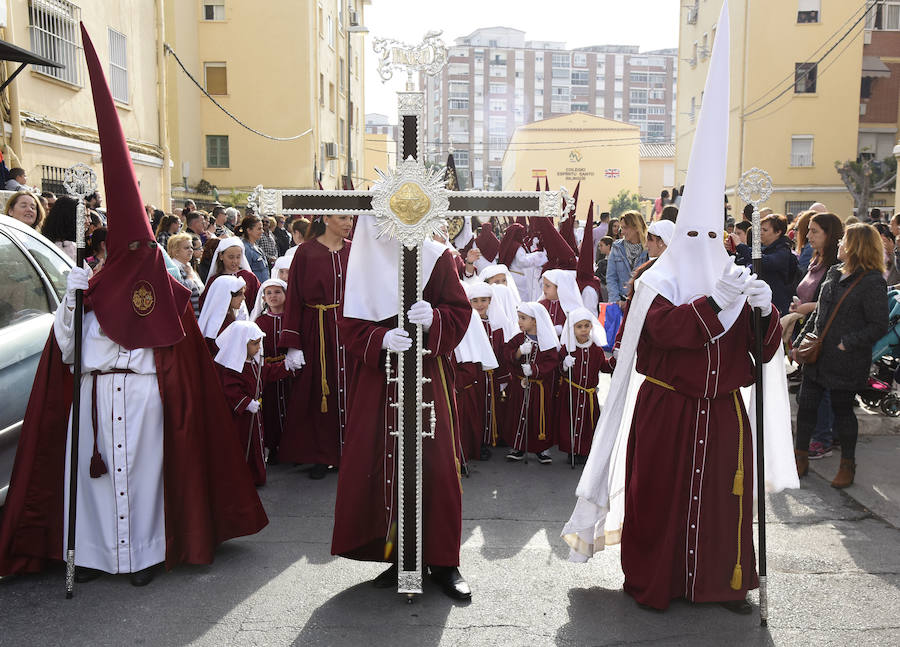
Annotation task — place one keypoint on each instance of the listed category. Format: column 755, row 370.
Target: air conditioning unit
column 330, row 150
column 354, row 19
column 352, row 166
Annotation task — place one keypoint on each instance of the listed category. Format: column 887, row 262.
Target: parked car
column 32, row 283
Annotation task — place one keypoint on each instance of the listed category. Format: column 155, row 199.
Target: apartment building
column 813, row 82
column 496, row 81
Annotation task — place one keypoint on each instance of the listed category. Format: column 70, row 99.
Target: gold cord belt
column 590, row 392
column 542, row 435
column 274, row 359
column 322, row 308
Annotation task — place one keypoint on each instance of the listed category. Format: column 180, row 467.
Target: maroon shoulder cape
column 209, row 496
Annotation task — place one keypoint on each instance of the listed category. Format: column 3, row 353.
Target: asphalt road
column 834, row 572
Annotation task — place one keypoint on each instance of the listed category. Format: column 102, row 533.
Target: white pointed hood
column 696, row 256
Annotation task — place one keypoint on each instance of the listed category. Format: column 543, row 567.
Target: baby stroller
column 886, row 366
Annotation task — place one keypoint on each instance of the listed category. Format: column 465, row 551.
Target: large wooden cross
column 409, row 205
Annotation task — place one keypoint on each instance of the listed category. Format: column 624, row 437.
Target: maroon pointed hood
column 137, row 302
column 567, row 226
column 488, row 243
column 584, row 273
column 513, row 239
column 559, row 254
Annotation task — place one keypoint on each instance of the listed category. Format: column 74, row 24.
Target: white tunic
column 524, row 268
column 120, row 521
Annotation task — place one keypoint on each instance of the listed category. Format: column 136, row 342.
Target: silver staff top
column 80, row 181
column 429, row 57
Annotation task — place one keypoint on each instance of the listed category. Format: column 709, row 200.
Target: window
column 562, row 74
column 217, row 151
column 216, row 78
column 656, row 130
column 498, row 105
column 321, row 24
column 638, row 78
column 579, row 60
column 213, row 11
column 458, row 89
column 579, row 77
column 459, row 69
column 459, row 104
column 54, row 267
column 54, row 34
column 342, row 131
column 638, row 96
column 656, row 110
column 637, row 114
column 461, row 158
column 796, row 206
column 498, row 88
column 118, row 66
column 693, row 110
column 22, row 293
column 497, row 125
column 341, row 74
column 808, row 11
column 329, row 28
column 321, row 89
column 802, row 150
column 805, row 78
column 704, row 47
column 580, row 107
column 886, row 16
column 657, row 95
column 331, row 97
column 561, row 60
column 560, row 106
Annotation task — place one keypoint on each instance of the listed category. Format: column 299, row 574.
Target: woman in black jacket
column 779, row 265
column 846, row 354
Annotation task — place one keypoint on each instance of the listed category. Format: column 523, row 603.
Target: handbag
column 810, row 346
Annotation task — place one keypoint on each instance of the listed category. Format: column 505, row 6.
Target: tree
column 623, row 202
column 866, row 176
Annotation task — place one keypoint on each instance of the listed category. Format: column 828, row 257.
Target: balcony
column 800, row 160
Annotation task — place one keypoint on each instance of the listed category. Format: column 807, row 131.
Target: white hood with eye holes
column 696, row 256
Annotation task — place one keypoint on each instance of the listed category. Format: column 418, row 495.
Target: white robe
column 120, row 522
column 524, row 268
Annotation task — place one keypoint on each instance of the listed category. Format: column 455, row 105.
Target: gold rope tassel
column 737, row 575
column 325, row 390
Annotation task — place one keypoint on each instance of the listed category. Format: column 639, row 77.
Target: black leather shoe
column 143, row 577
column 84, row 574
column 318, row 471
column 451, row 582
column 387, row 579
column 741, row 607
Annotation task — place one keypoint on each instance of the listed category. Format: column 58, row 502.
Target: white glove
column 525, row 348
column 78, row 279
column 542, row 259
column 503, row 387
column 568, row 362
column 253, row 406
column 396, row 340
column 759, row 295
column 421, row 314
column 295, row 359
column 526, row 370
column 729, row 286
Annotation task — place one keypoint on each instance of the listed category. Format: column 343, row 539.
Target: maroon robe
column 317, row 412
column 365, row 510
column 239, row 389
column 535, row 422
column 581, row 385
column 275, row 396
column 681, row 534
column 249, row 292
column 210, row 342
column 208, row 496
column 557, row 314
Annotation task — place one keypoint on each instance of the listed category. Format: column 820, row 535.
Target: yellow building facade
column 281, row 69
column 381, row 153
column 657, row 170
column 602, row 153
column 48, row 114
column 789, row 115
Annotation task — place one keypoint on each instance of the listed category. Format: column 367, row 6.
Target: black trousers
column 845, row 423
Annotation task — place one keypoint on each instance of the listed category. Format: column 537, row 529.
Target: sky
column 651, row 24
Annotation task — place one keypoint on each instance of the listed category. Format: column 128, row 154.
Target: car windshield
column 51, row 263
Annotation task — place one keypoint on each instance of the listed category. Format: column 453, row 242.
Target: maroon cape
column 208, row 494
column 366, row 496
column 316, row 422
column 685, row 529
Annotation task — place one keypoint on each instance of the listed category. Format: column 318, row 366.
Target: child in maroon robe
column 224, row 305
column 582, row 360
column 532, row 357
column 243, row 378
column 267, row 314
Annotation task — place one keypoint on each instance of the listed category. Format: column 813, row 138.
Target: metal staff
column 80, row 182
column 754, row 188
column 571, row 419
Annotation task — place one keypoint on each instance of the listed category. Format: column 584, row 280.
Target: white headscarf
column 218, row 301
column 504, row 302
column 372, row 292
column 566, row 287
column 233, row 342
column 665, row 229
column 225, row 243
column 546, row 333
column 260, row 304
column 599, row 512
column 282, row 263
column 598, row 334
column 493, row 270
column 475, row 346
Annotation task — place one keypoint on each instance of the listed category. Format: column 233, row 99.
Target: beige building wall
column 600, row 152
column 766, row 43
column 381, row 153
column 657, row 169
column 59, row 127
column 283, row 66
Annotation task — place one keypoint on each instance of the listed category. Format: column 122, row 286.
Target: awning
column 873, row 67
column 10, row 52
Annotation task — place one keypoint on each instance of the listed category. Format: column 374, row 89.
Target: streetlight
column 353, row 27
